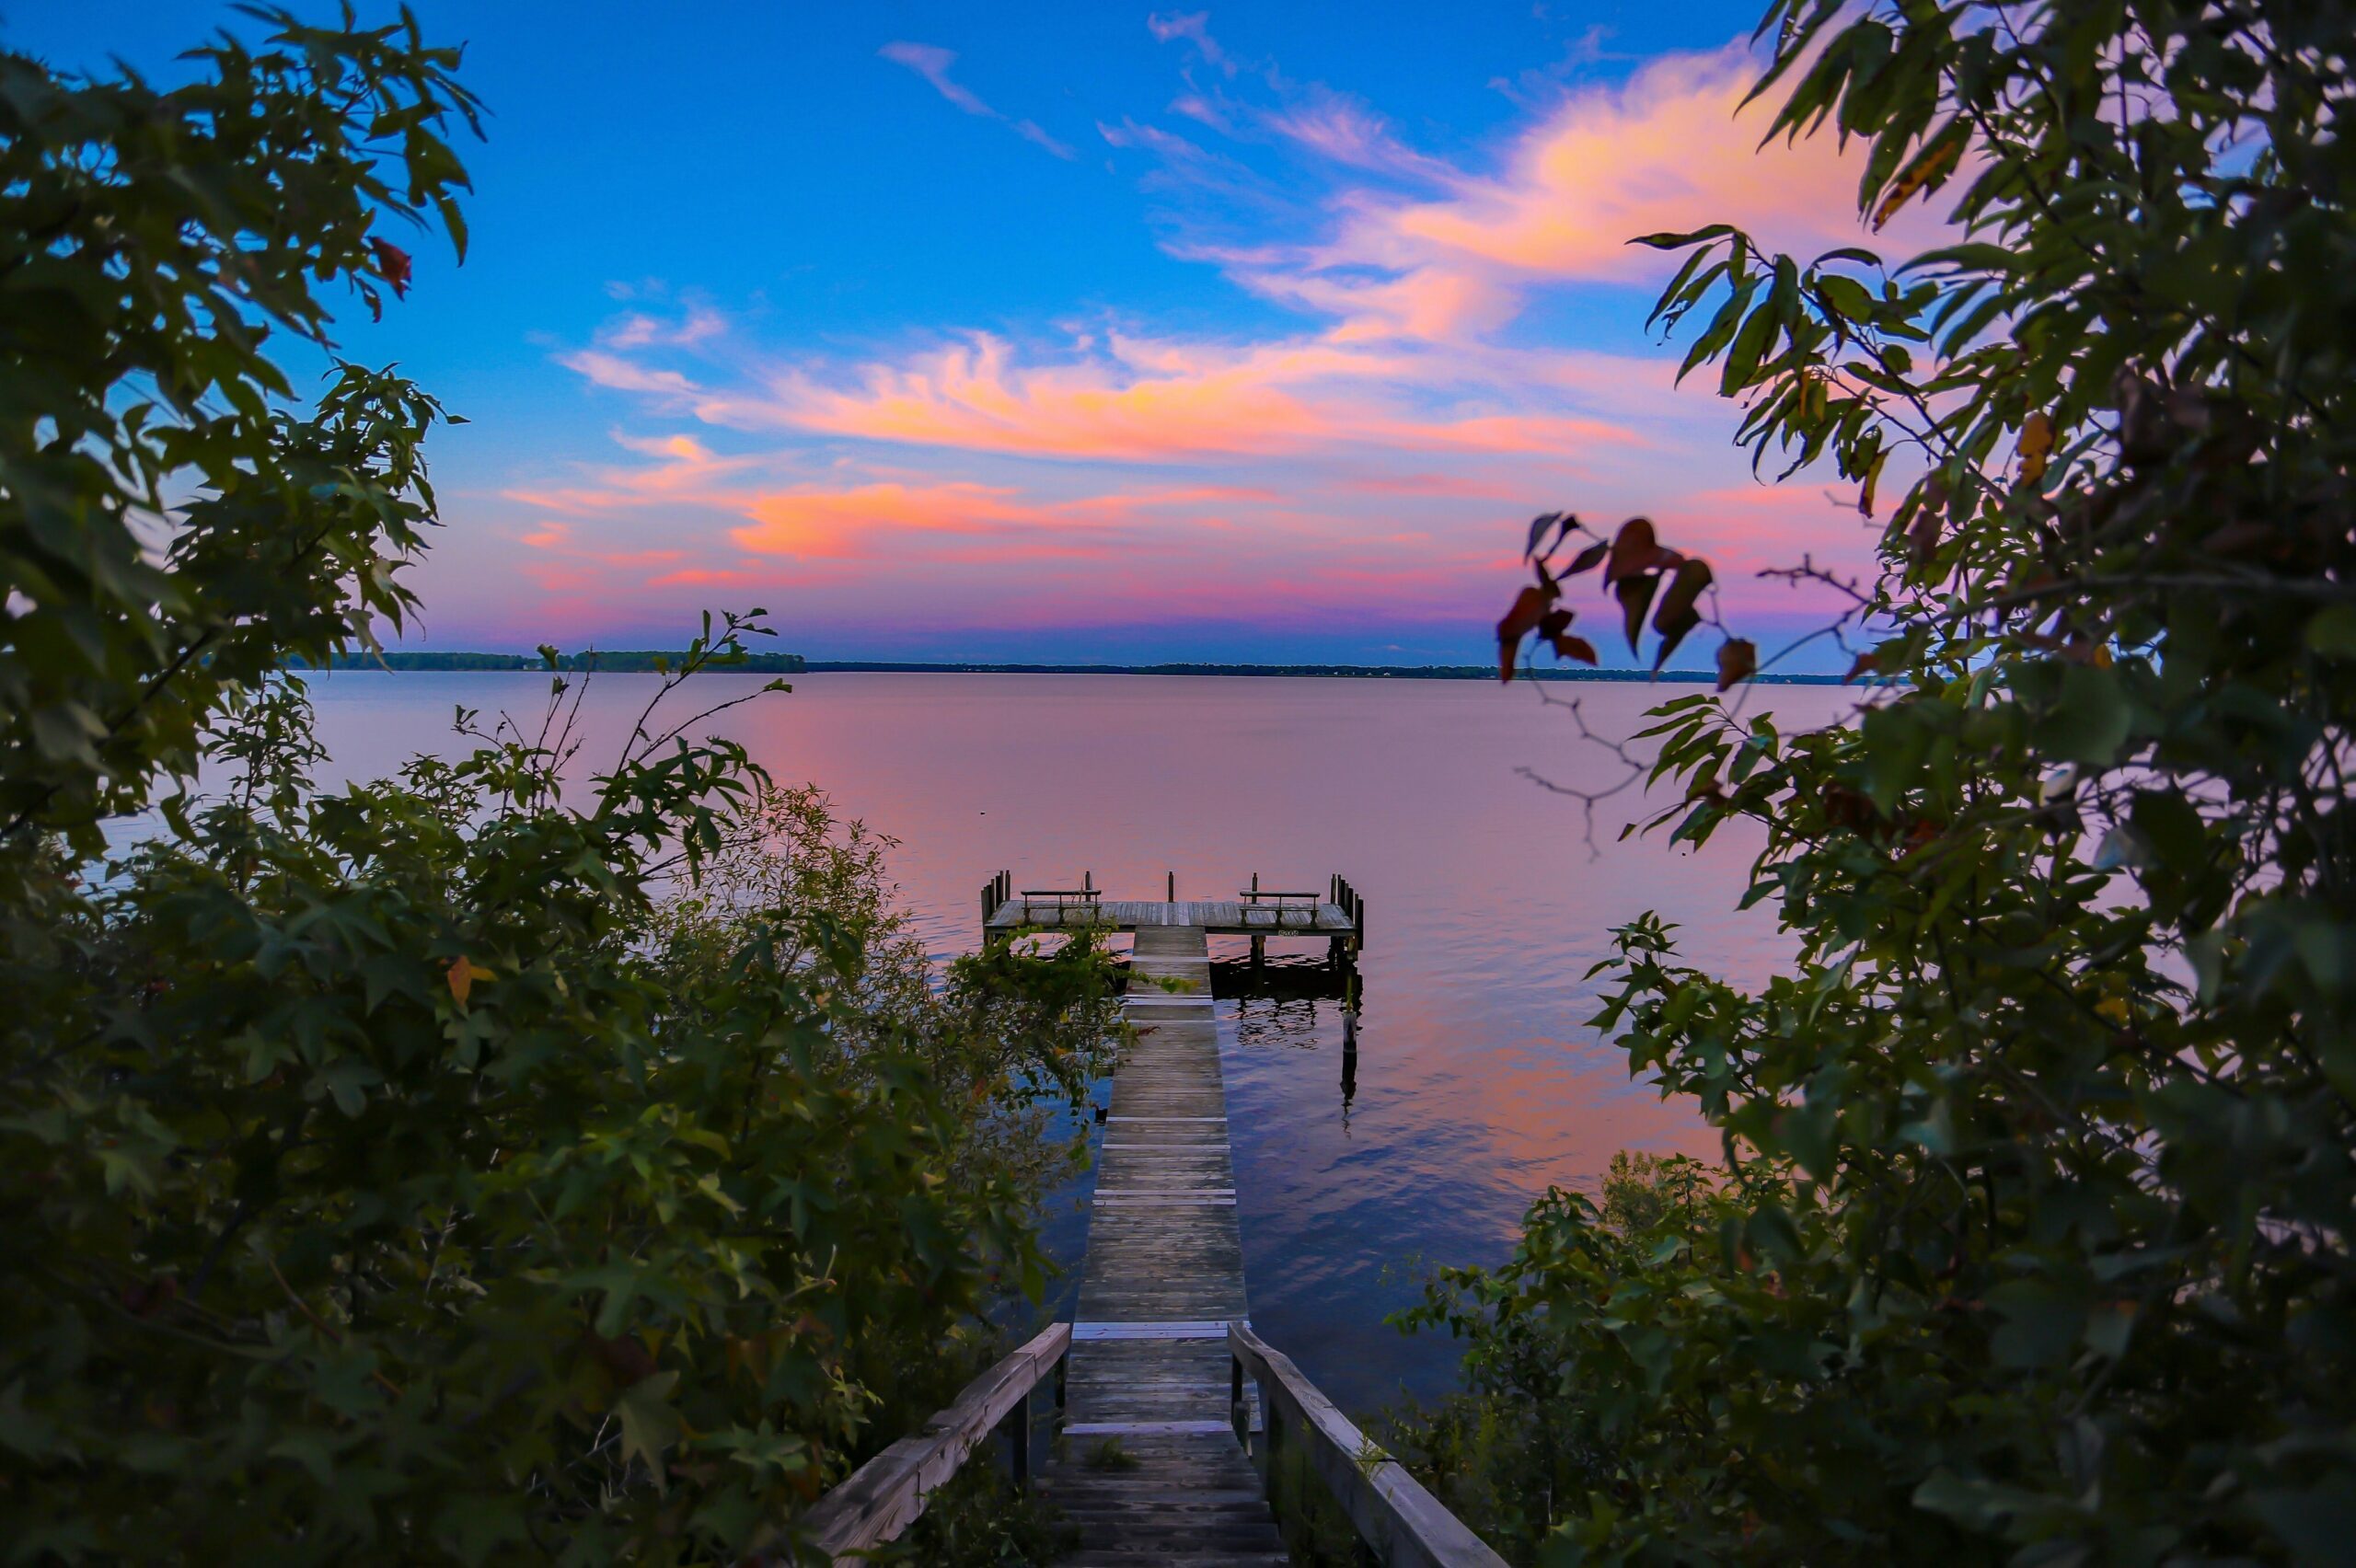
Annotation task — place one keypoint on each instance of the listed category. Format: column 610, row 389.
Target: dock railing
column 1403, row 1525
column 887, row 1494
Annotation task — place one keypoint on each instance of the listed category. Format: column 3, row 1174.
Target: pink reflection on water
column 1478, row 1083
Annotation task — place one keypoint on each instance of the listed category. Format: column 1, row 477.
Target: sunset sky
column 1075, row 331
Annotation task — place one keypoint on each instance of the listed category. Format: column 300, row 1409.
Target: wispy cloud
column 1131, row 399
column 932, row 62
column 1345, row 130
column 1195, row 28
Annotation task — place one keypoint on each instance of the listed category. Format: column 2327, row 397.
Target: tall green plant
column 2044, row 1145
column 383, row 1176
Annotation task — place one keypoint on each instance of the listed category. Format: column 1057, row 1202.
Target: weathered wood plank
column 1403, row 1524
column 885, row 1496
column 1150, row 1367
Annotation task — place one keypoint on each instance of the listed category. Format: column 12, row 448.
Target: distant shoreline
column 1330, row 672
column 791, row 663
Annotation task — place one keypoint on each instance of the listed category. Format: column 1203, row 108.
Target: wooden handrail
column 884, row 1497
column 1255, row 894
column 1404, row 1525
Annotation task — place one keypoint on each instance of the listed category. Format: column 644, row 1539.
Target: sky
column 1075, row 331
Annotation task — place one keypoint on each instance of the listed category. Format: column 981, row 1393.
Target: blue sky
column 1071, row 331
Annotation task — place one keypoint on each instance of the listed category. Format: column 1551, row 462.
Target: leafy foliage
column 2034, row 1245
column 1548, row 1402
column 441, row 1169
column 151, row 243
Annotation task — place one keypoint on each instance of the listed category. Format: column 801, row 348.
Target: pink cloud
column 637, row 329
column 932, row 62
column 1670, row 151
column 1147, row 400
column 1346, row 131
column 1195, row 28
column 982, row 520
column 611, row 370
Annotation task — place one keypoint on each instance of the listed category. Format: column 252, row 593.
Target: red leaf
column 1530, row 607
column 1864, row 666
column 1633, row 550
column 1588, row 558
column 1555, row 622
column 626, row 1360
column 1738, row 659
column 392, row 261
column 1636, row 594
column 1677, row 615
column 1579, row 648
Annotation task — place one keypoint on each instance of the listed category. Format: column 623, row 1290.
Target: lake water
column 1478, row 1083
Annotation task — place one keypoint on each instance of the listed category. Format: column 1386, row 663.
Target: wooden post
column 1017, row 1428
column 1272, row 1430
column 1259, row 951
column 1238, row 1412
column 1173, row 887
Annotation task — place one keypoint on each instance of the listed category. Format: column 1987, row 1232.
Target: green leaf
column 649, row 1424
column 2317, row 1525
column 2090, row 721
column 2332, row 631
column 2041, row 1324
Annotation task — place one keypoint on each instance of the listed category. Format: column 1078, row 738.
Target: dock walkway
column 1173, row 1410
column 1149, row 1364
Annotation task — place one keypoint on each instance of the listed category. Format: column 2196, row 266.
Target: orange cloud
column 703, row 577
column 1148, row 400
column 865, row 519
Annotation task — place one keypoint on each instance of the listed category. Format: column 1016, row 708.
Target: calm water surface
column 1477, row 1083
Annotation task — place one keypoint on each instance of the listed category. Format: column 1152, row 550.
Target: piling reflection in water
column 1279, row 1006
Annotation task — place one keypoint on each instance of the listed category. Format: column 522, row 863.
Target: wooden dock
column 1225, row 917
column 1174, row 1411
column 1338, row 914
column 1149, row 1376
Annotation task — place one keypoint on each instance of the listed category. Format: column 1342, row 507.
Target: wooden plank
column 1143, row 1428
column 1205, row 1329
column 1403, row 1524
column 1163, row 1277
column 887, row 1494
